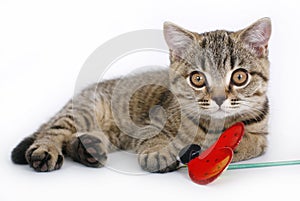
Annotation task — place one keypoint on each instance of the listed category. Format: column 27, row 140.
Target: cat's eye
column 239, row 77
column 197, row 79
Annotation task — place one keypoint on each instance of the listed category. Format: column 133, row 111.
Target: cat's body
column 215, row 79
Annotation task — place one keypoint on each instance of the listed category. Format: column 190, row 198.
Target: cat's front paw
column 252, row 145
column 44, row 157
column 158, row 161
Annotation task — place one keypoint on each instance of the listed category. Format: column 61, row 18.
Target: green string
column 260, row 165
column 257, row 165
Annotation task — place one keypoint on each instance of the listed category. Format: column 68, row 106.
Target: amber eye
column 197, row 79
column 239, row 77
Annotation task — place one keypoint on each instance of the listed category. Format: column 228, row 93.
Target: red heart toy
column 212, row 162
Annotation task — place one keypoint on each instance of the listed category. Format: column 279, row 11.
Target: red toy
column 206, row 167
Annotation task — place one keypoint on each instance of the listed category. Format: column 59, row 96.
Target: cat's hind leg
column 44, row 155
column 68, row 131
column 43, row 149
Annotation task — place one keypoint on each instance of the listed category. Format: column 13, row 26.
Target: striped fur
column 157, row 113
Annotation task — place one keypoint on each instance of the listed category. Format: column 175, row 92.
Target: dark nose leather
column 219, row 99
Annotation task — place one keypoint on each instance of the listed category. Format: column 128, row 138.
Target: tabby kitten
column 215, row 79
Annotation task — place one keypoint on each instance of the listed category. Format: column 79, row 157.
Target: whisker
column 252, row 108
column 254, row 112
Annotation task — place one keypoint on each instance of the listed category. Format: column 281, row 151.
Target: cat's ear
column 178, row 39
column 257, row 36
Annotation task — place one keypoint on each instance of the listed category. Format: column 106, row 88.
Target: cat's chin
column 220, row 114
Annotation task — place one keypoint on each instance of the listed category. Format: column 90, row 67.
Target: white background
column 42, row 48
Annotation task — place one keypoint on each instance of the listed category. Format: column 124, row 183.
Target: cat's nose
column 219, row 100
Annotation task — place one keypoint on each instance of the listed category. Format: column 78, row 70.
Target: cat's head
column 226, row 72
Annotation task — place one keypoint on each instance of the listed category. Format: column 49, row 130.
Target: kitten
column 214, row 80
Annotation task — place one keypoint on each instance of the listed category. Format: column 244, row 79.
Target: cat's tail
column 18, row 153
